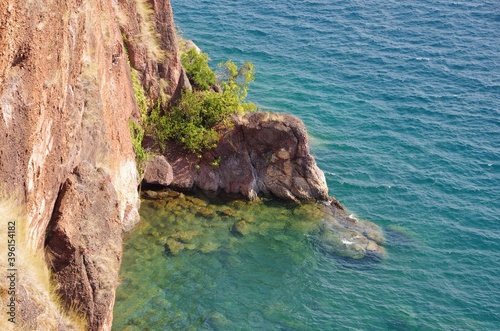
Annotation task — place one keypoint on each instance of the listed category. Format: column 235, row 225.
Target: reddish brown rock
column 150, row 37
column 261, row 154
column 83, row 244
column 66, row 98
column 158, row 171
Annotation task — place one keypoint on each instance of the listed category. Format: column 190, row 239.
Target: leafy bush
column 198, row 70
column 137, row 134
column 192, row 120
column 140, row 95
column 236, row 80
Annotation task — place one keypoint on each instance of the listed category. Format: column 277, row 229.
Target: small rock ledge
column 260, row 154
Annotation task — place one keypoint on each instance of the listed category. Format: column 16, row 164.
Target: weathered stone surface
column 158, row 171
column 83, row 244
column 66, row 97
column 165, row 64
column 261, row 154
column 183, row 167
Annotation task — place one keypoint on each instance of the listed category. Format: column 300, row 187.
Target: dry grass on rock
column 37, row 305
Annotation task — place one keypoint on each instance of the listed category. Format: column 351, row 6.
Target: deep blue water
column 402, row 102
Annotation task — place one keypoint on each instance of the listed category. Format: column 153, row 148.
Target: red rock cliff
column 66, row 99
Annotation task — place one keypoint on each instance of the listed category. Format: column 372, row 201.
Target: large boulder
column 158, row 171
column 278, row 151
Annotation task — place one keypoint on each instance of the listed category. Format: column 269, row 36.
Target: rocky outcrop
column 151, row 41
column 158, row 171
column 261, row 153
column 66, row 99
column 85, row 255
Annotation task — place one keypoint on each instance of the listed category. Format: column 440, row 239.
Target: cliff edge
column 66, row 100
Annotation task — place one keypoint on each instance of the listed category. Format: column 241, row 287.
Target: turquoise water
column 402, row 102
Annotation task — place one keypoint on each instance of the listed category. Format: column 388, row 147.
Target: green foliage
column 137, row 134
column 197, row 69
column 185, row 123
column 216, row 162
column 236, row 80
column 193, row 119
column 140, row 95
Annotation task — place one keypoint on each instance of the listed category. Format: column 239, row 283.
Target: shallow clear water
column 402, row 101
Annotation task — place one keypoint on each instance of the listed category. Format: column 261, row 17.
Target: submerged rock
column 240, row 228
column 169, row 194
column 184, row 236
column 150, row 194
column 205, row 212
column 195, row 224
column 173, row 247
column 209, row 247
column 343, row 235
column 217, row 321
column 227, row 212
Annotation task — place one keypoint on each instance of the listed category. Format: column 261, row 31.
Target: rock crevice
column 85, row 256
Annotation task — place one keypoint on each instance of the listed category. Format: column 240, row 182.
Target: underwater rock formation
column 193, row 223
column 344, row 235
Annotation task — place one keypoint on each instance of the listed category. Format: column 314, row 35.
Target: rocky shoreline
column 263, row 155
column 66, row 102
column 258, row 154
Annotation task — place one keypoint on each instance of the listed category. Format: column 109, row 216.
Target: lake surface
column 402, row 103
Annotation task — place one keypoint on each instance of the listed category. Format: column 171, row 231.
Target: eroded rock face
column 155, row 55
column 278, row 151
column 261, row 154
column 66, row 99
column 83, row 244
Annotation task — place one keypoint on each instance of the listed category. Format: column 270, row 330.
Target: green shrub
column 236, row 80
column 186, row 123
column 140, row 95
column 137, row 134
column 198, row 70
column 192, row 120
